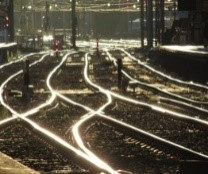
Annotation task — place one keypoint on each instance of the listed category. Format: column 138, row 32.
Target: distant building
column 6, row 21
column 8, row 49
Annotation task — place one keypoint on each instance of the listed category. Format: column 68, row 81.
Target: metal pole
column 74, row 23
column 21, row 20
column 33, row 23
column 84, row 29
column 11, row 21
column 142, row 22
column 119, row 69
column 149, row 24
column 174, row 10
column 156, row 22
column 47, row 17
column 162, row 20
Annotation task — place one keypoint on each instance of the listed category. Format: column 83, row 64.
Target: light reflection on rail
column 93, row 159
column 88, row 155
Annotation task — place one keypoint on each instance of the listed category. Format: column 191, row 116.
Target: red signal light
column 56, row 46
column 6, row 22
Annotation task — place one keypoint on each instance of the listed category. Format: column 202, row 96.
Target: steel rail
column 42, row 130
column 182, row 100
column 155, row 88
column 162, row 74
column 132, row 127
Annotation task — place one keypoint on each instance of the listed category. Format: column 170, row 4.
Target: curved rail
column 42, row 131
column 90, row 116
column 164, row 75
column 153, row 87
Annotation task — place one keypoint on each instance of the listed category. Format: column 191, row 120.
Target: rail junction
column 78, row 113
column 75, row 98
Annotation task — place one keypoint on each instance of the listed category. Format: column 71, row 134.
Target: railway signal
column 26, row 80
column 74, row 23
column 57, row 48
column 7, row 22
column 97, row 47
column 119, row 68
column 47, row 25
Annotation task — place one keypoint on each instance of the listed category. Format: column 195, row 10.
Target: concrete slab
column 10, row 166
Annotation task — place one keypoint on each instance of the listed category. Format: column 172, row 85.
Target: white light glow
column 47, row 38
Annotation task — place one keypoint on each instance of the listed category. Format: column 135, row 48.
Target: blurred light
column 7, row 22
column 47, row 38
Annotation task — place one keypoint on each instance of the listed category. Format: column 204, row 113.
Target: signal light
column 6, row 22
column 56, row 46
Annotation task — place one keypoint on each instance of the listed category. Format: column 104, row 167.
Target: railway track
column 144, row 74
column 135, row 137
column 160, row 116
column 133, row 112
column 23, row 145
column 127, row 153
column 44, row 119
column 10, row 68
column 38, row 73
column 70, row 82
column 163, row 125
column 123, row 116
column 106, row 76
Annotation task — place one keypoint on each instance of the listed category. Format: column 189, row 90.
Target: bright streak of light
column 77, row 137
column 185, row 48
column 162, row 90
column 110, row 43
column 73, row 102
column 159, row 109
column 154, row 107
column 9, row 63
column 2, row 90
column 134, row 43
column 59, row 140
column 92, row 84
column 79, row 141
column 91, row 114
column 86, row 117
column 153, row 87
column 184, row 104
column 75, row 129
column 160, row 73
column 164, row 75
column 18, row 60
column 23, row 116
column 56, row 138
column 153, row 136
column 7, row 120
column 47, row 38
column 91, row 156
column 48, row 102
